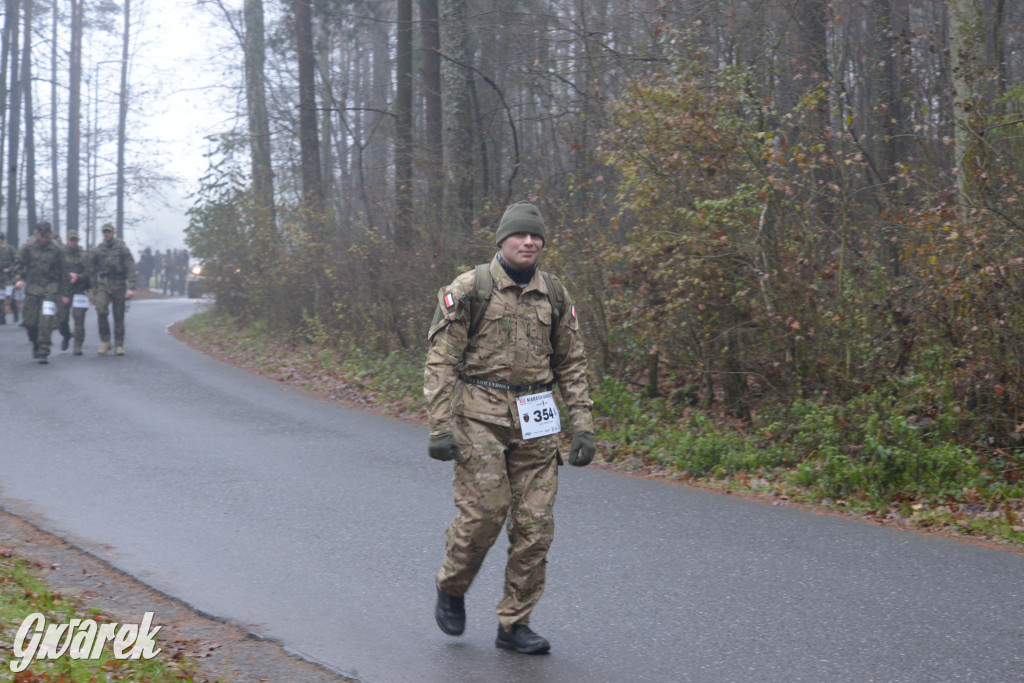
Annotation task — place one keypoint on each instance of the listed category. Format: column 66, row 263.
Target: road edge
column 222, row 650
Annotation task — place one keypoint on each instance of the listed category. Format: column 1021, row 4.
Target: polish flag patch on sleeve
column 449, row 301
column 572, row 310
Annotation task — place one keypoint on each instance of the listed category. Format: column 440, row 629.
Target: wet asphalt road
column 322, row 527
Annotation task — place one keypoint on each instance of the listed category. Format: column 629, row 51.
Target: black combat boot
column 450, row 613
column 522, row 640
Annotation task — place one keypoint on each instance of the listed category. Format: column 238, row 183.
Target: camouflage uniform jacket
column 42, row 267
column 514, row 346
column 6, row 264
column 111, row 265
column 78, row 262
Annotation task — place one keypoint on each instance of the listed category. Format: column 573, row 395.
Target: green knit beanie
column 520, row 217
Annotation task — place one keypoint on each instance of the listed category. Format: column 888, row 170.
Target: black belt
column 522, row 389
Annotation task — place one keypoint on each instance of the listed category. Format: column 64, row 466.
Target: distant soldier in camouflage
column 502, row 335
column 112, row 276
column 41, row 270
column 78, row 266
column 6, row 278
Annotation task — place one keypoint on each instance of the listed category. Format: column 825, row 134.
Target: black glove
column 443, row 447
column 582, row 450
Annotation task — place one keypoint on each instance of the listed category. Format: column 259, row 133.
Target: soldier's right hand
column 443, row 447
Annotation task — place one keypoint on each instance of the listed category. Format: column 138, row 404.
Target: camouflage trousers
column 502, row 481
column 67, row 313
column 105, row 299
column 39, row 326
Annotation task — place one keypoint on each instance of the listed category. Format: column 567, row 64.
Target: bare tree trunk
column 886, row 113
column 30, row 140
column 327, row 165
column 349, row 151
column 457, row 152
column 967, row 55
column 13, row 135
column 9, row 46
column 431, row 78
column 122, row 119
column 92, row 147
column 312, row 186
column 814, row 67
column 403, row 128
column 75, row 118
column 996, row 51
column 377, row 154
column 54, row 169
column 259, row 122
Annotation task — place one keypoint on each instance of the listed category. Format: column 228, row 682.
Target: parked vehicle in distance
column 194, row 285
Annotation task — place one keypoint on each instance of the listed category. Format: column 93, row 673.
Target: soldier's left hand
column 129, row 294
column 582, row 450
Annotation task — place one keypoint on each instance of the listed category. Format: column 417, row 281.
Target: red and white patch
column 572, row 311
column 449, row 300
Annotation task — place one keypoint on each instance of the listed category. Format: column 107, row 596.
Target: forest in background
column 803, row 217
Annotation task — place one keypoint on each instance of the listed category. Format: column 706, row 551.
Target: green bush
column 692, row 444
column 872, row 448
column 883, row 445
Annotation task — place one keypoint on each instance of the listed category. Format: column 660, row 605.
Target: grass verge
column 345, row 373
column 22, row 594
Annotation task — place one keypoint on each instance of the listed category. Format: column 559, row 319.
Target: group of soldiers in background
column 9, row 299
column 54, row 281
column 167, row 271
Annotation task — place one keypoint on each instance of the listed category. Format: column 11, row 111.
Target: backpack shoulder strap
column 483, row 285
column 556, row 295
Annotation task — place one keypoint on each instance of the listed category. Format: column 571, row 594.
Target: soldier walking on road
column 502, row 335
column 112, row 276
column 145, row 268
column 77, row 260
column 6, row 279
column 42, row 272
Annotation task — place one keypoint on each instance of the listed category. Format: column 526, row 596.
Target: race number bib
column 49, row 308
column 538, row 415
column 80, row 301
column 9, row 290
